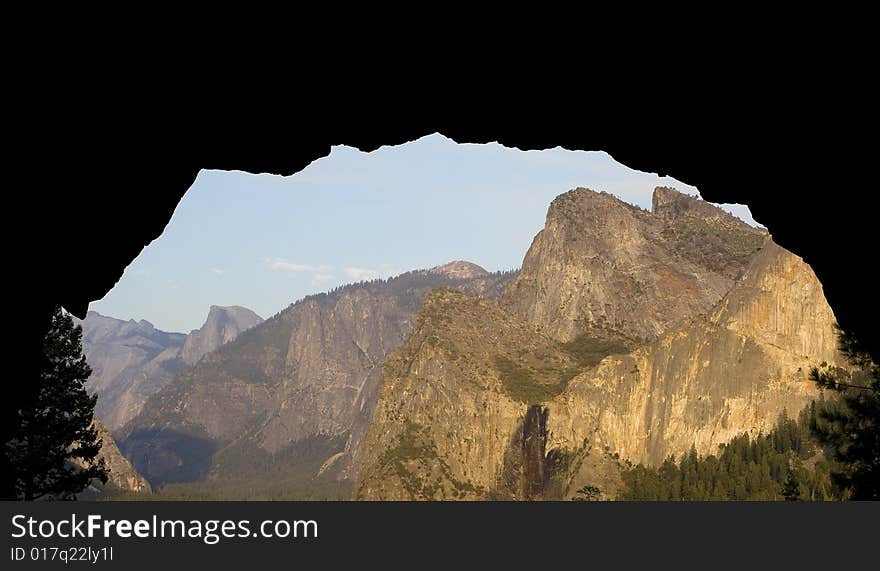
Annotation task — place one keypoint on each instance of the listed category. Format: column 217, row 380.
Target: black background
column 103, row 152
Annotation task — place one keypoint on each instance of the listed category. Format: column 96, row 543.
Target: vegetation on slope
column 292, row 475
column 532, row 386
column 849, row 426
column 425, row 475
column 531, row 379
column 787, row 464
column 589, row 350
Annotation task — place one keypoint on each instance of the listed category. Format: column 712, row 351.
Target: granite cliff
column 303, row 379
column 223, row 325
column 122, row 477
column 601, row 264
column 627, row 336
column 454, row 399
column 132, row 360
column 717, row 376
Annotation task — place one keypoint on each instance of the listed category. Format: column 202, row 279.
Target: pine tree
column 791, row 490
column 849, row 426
column 54, row 448
column 588, row 494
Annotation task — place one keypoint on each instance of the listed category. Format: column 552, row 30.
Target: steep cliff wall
column 132, row 360
column 468, row 407
column 223, row 325
column 311, row 371
column 600, row 263
column 453, row 404
column 715, row 377
column 122, row 476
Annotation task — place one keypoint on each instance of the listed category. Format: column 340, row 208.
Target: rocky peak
column 732, row 371
column 480, row 404
column 599, row 208
column 779, row 302
column 600, row 263
column 223, row 325
column 460, row 269
column 669, row 205
column 97, row 326
column 705, row 234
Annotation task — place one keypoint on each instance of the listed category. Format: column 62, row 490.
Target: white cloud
column 217, row 271
column 280, row 264
column 360, row 274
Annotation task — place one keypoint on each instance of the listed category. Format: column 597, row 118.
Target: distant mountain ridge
column 460, row 269
column 309, row 372
column 131, row 360
column 223, row 325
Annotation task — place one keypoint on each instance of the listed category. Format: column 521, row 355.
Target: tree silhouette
column 588, row 494
column 764, row 467
column 54, row 448
column 791, row 490
column 849, row 426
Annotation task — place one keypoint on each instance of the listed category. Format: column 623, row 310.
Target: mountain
column 299, row 389
column 452, row 401
column 132, row 360
column 223, row 325
column 717, row 376
column 122, row 476
column 601, row 265
column 627, row 336
column 460, row 269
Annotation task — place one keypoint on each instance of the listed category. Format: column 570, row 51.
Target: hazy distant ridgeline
column 132, row 360
column 309, row 372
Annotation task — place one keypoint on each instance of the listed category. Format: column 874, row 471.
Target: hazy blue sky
column 264, row 241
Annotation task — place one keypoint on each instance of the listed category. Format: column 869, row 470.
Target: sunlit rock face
column 122, row 477
column 312, row 371
column 735, row 370
column 453, row 400
column 502, row 401
column 602, row 264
